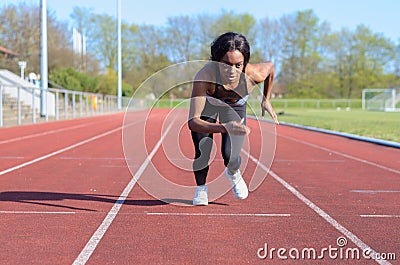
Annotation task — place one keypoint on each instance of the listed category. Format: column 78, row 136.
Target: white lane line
column 114, row 166
column 63, row 150
column 47, row 132
column 343, row 154
column 376, row 191
column 319, row 211
column 91, row 245
column 12, row 157
column 309, row 160
column 91, row 158
column 224, row 214
column 380, row 215
column 58, row 152
column 34, row 212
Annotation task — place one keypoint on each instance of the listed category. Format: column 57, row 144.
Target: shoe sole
column 200, row 204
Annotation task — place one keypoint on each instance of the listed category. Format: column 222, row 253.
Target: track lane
column 17, row 133
column 381, row 155
column 137, row 236
column 13, row 153
column 331, row 185
column 85, row 180
column 219, row 234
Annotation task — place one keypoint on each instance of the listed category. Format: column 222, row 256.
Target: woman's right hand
column 236, row 127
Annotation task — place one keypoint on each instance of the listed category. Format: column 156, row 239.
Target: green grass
column 380, row 125
column 177, row 103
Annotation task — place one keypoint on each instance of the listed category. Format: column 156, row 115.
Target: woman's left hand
column 266, row 106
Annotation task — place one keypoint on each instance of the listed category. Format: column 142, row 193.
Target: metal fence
column 277, row 103
column 26, row 105
column 317, row 103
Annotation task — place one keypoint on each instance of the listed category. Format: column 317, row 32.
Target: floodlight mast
column 43, row 59
column 119, row 89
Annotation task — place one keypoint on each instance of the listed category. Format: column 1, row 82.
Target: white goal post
column 381, row 99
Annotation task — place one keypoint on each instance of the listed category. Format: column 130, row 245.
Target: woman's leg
column 232, row 144
column 231, row 148
column 203, row 143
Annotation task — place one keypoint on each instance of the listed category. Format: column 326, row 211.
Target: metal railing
column 22, row 105
column 317, row 103
column 277, row 103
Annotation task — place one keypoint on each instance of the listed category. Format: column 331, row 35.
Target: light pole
column 119, row 90
column 43, row 59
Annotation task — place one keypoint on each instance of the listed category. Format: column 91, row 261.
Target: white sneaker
column 239, row 187
column 201, row 196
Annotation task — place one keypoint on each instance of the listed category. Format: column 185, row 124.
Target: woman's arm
column 266, row 103
column 197, row 103
column 264, row 72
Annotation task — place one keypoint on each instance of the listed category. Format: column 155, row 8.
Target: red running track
column 67, row 196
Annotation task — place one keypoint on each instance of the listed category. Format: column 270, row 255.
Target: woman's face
column 231, row 66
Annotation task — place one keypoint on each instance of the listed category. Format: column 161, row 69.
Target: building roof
column 7, row 51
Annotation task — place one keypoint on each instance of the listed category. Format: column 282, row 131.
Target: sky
column 380, row 16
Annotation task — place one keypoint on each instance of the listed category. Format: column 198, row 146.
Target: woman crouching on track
column 220, row 91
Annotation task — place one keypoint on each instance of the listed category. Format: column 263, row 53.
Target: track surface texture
column 71, row 193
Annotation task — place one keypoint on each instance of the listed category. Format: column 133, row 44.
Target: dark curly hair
column 230, row 41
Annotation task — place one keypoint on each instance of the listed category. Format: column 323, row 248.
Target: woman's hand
column 266, row 106
column 236, row 127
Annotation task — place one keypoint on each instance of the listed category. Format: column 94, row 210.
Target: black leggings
column 203, row 141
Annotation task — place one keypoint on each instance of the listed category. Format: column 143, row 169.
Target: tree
column 150, row 56
column 72, row 79
column 360, row 58
column 396, row 61
column 269, row 40
column 300, row 53
column 130, row 50
column 241, row 23
column 181, row 41
column 20, row 30
column 204, row 34
column 104, row 39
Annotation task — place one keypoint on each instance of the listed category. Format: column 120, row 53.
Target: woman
column 220, row 91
